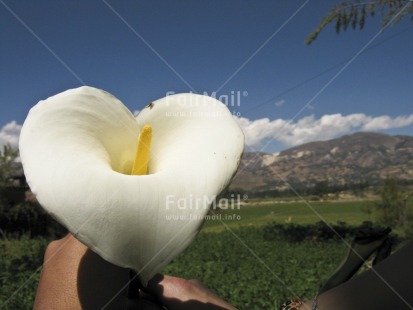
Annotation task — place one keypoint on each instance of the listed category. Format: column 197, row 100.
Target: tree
column 354, row 13
column 8, row 166
column 21, row 216
column 393, row 207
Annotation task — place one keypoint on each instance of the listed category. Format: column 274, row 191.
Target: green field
column 235, row 257
column 257, row 213
column 242, row 266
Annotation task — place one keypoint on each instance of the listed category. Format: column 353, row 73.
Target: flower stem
column 134, row 285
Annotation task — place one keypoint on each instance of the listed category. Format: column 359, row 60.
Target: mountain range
column 357, row 158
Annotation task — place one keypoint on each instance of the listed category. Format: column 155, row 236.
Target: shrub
column 27, row 219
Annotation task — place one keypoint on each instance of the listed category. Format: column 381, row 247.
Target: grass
column 20, row 264
column 217, row 259
column 220, row 259
column 276, row 272
column 259, row 214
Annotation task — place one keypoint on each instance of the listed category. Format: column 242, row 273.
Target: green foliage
column 395, row 206
column 319, row 189
column 354, row 14
column 27, row 219
column 261, row 213
column 20, row 264
column 259, row 272
column 319, row 231
column 389, row 204
column 8, row 166
column 24, row 218
column 251, row 267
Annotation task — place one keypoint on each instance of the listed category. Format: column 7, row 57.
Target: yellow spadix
column 140, row 166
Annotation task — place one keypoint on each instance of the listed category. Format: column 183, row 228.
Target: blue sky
column 139, row 51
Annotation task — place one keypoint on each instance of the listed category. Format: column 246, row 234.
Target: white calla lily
column 78, row 148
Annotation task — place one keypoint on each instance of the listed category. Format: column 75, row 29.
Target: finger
column 155, row 285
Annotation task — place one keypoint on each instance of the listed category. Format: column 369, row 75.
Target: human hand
column 74, row 277
column 181, row 294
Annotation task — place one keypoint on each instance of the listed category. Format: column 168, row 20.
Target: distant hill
column 359, row 157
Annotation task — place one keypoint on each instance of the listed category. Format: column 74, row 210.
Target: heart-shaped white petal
column 78, row 148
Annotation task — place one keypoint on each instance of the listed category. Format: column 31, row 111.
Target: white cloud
column 9, row 135
column 309, row 128
column 304, row 130
column 386, row 122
